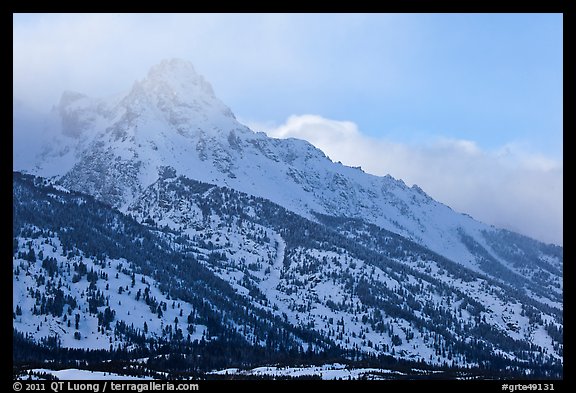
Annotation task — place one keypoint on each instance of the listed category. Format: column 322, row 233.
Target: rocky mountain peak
column 175, row 88
column 179, row 74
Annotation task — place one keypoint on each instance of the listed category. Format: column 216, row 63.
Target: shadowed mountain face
column 318, row 256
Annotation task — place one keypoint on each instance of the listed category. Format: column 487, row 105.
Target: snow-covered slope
column 95, row 287
column 213, row 268
column 305, row 272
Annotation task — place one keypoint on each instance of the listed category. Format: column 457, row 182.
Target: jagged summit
column 178, row 73
column 174, row 88
column 113, row 147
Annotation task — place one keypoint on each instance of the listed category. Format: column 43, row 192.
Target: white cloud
column 98, row 54
column 508, row 187
column 244, row 56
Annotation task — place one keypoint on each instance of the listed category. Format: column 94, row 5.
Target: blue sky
column 429, row 89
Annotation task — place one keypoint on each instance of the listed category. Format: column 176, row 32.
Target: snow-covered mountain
column 336, row 257
column 114, row 148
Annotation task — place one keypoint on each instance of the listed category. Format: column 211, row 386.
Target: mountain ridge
column 342, row 260
column 141, row 137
